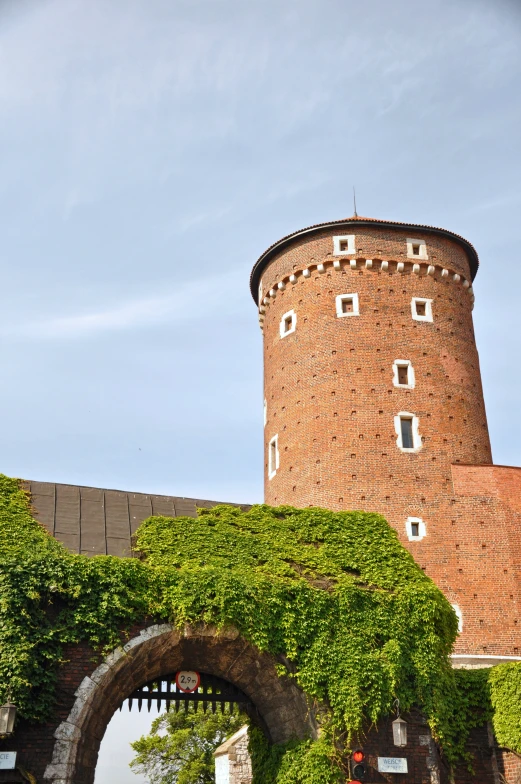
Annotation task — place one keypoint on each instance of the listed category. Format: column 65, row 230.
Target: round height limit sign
column 187, row 681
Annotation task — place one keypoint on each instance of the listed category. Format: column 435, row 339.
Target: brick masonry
column 331, row 400
column 490, row 765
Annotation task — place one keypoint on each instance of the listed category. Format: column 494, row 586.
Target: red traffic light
column 357, row 767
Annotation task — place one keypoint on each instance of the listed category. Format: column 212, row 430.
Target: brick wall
column 424, row 764
column 509, row 766
column 331, row 400
column 35, row 742
column 487, row 512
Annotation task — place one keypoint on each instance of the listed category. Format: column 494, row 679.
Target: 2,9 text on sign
column 187, row 681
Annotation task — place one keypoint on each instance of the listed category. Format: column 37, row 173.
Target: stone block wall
column 232, row 760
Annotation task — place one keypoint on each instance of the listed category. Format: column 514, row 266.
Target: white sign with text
column 392, row 765
column 7, row 760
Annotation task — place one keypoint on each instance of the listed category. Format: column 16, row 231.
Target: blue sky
column 152, row 150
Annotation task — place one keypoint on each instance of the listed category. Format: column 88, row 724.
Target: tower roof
column 357, row 220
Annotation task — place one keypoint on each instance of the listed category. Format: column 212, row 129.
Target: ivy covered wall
column 334, row 596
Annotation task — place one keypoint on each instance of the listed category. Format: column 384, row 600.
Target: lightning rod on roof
column 354, row 202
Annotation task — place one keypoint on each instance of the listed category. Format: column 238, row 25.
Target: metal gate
column 211, row 693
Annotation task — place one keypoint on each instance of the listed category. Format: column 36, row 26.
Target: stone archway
column 159, row 650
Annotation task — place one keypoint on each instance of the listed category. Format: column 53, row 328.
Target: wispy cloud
column 494, row 203
column 185, row 303
column 146, row 57
column 302, row 184
column 189, row 221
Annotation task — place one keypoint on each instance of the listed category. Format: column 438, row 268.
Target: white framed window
column 347, row 305
column 415, row 529
column 407, row 431
column 265, row 412
column 403, row 374
column 459, row 616
column 421, row 309
column 273, row 456
column 260, row 292
column 343, row 245
column 288, row 323
column 416, row 249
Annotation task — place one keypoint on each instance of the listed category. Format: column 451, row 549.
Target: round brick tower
column 372, row 381
column 371, row 377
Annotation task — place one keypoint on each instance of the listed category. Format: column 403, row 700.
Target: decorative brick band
column 368, row 264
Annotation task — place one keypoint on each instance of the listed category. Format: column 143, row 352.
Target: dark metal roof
column 266, row 257
column 93, row 521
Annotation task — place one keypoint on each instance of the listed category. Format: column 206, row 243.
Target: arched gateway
column 158, row 650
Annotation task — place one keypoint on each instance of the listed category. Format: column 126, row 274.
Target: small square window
column 416, row 249
column 415, row 529
column 421, row 309
column 344, row 245
column 288, row 323
column 403, row 373
column 347, row 305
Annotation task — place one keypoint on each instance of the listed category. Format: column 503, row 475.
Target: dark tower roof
column 281, row 244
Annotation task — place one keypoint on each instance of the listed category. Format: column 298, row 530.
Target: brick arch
column 159, row 650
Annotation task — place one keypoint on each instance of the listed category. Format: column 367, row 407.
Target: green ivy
column 332, row 594
column 504, row 683
column 304, row 762
column 467, row 707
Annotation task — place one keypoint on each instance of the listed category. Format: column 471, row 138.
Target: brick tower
column 373, row 401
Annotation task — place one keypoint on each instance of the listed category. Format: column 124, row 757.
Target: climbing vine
column 332, row 595
column 504, row 684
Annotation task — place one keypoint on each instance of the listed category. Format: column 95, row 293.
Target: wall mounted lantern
column 7, row 717
column 399, row 728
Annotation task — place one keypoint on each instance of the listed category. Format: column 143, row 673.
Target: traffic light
column 358, row 767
